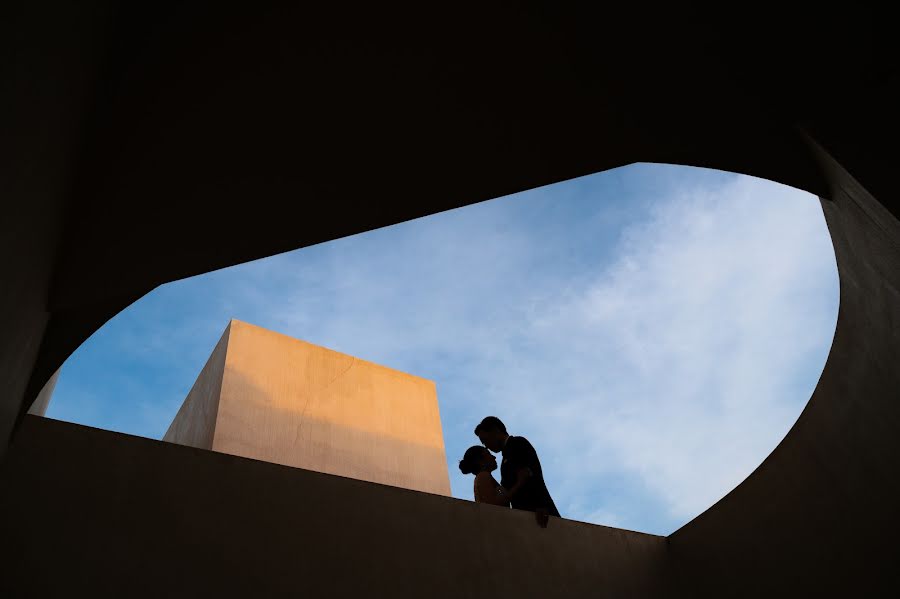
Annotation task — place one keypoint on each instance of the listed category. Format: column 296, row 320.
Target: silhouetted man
column 521, row 478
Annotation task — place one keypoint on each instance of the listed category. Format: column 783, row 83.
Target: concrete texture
column 134, row 134
column 131, row 517
column 274, row 398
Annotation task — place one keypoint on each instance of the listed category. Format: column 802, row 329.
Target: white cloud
column 675, row 368
column 652, row 380
column 679, row 361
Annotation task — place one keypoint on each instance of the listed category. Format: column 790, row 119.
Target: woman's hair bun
column 471, row 462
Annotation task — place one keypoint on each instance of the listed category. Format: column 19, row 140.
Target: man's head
column 492, row 433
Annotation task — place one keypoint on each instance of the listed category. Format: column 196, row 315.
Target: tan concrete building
column 270, row 397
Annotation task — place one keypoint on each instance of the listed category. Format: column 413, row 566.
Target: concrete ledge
column 111, row 514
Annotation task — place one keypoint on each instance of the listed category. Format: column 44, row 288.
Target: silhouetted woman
column 481, row 462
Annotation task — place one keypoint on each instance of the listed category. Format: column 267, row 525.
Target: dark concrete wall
column 48, row 69
column 126, row 516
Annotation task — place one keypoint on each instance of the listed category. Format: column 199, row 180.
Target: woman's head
column 477, row 459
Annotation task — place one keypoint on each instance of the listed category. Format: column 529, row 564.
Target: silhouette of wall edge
column 195, row 422
column 127, row 516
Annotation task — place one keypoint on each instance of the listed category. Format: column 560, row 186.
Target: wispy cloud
column 693, row 353
column 654, row 330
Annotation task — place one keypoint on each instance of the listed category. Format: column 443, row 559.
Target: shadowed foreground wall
column 271, row 397
column 126, row 516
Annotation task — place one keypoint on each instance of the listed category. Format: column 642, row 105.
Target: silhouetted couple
column 521, row 483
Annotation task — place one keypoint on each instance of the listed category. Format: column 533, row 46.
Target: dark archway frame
column 147, row 144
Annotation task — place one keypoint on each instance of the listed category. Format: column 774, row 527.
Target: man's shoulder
column 518, row 442
column 518, row 445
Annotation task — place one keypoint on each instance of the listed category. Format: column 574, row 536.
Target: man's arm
column 522, row 456
column 519, row 453
column 522, row 476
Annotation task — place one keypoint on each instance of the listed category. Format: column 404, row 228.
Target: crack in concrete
column 327, row 385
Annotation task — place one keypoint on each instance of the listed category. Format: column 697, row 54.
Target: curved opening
column 654, row 330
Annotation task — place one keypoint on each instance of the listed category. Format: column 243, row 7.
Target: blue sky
column 653, row 330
